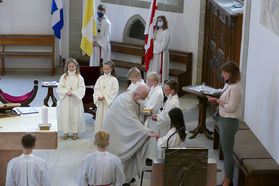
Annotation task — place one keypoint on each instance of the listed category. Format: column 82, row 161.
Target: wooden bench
column 184, row 76
column 256, row 166
column 25, row 40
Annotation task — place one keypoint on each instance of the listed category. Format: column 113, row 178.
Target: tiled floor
column 64, row 162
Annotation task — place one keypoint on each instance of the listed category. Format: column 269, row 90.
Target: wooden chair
column 90, row 76
column 24, row 100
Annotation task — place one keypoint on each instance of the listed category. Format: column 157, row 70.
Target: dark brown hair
column 233, row 69
column 172, row 84
column 177, row 121
column 28, row 140
column 112, row 67
column 101, row 7
column 165, row 22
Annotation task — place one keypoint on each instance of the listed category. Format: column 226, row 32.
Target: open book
column 25, row 110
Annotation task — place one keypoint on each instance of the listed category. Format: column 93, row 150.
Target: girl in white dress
column 176, row 134
column 160, row 61
column 105, row 91
column 70, row 112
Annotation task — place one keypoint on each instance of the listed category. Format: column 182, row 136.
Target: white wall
column 31, row 17
column 262, row 83
column 184, row 27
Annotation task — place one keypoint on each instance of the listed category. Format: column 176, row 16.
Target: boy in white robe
column 153, row 103
column 101, row 167
column 27, row 169
column 176, row 134
column 160, row 61
column 134, row 76
column 101, row 43
column 162, row 118
column 105, row 91
column 70, row 112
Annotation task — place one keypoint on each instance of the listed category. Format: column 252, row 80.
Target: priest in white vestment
column 27, row 169
column 71, row 90
column 162, row 118
column 101, row 45
column 160, row 61
column 129, row 137
column 105, row 91
column 101, row 167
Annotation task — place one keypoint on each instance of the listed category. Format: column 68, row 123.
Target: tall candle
column 44, row 115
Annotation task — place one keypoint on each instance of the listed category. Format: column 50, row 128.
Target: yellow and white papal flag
column 88, row 30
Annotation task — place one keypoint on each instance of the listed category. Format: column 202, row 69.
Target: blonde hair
column 71, row 60
column 134, row 73
column 153, row 76
column 102, row 139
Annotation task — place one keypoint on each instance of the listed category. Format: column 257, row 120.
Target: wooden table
column 201, row 128
column 13, row 128
column 50, row 94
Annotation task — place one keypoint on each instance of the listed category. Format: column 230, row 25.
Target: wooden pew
column 26, row 40
column 184, row 76
column 256, row 166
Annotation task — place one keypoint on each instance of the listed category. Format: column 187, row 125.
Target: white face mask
column 160, row 24
column 72, row 73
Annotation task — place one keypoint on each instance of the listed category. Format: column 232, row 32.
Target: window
column 166, row 5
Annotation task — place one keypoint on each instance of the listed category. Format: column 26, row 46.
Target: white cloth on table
column 108, row 87
column 133, row 86
column 70, row 112
column 163, row 119
column 160, row 54
column 129, row 138
column 101, row 168
column 174, row 141
column 103, row 48
column 27, row 170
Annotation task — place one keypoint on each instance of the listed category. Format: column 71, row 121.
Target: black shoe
column 148, row 162
column 231, row 184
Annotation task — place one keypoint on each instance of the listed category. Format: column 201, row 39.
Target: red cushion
column 16, row 99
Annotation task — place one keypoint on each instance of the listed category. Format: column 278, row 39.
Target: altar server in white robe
column 71, row 90
column 162, row 118
column 27, row 169
column 176, row 133
column 134, row 76
column 153, row 103
column 101, row 43
column 160, row 61
column 101, row 167
column 105, row 91
column 129, row 137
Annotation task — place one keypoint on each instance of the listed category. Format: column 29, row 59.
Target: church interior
column 204, row 34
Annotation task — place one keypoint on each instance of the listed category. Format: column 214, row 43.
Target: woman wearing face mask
column 105, row 91
column 160, row 61
column 101, row 44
